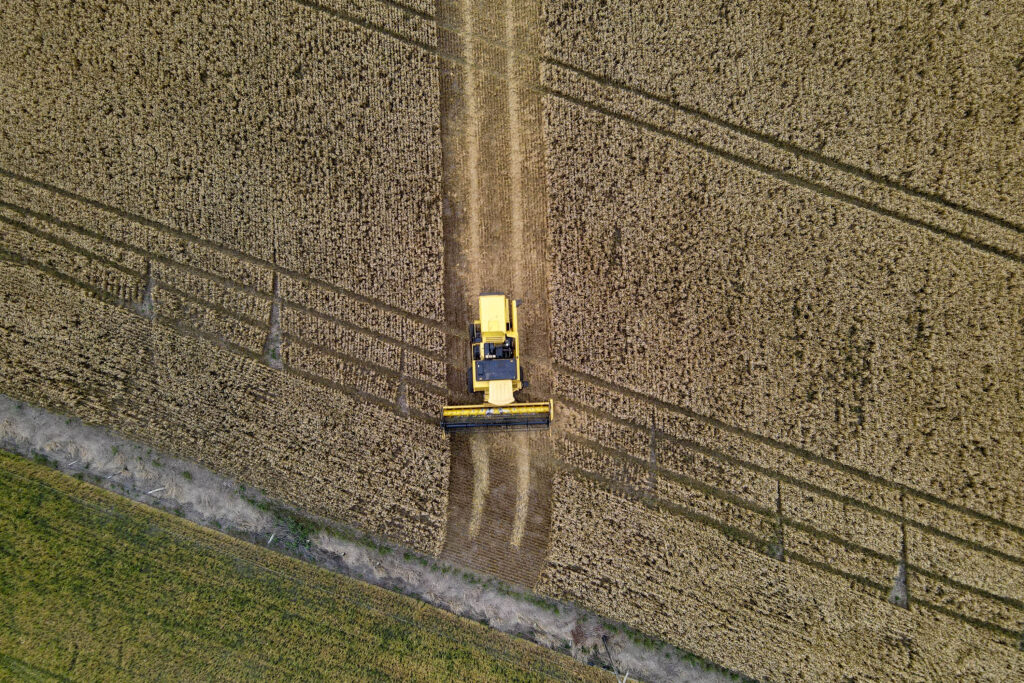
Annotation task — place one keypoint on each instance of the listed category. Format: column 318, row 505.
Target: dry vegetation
column 774, row 620
column 785, row 278
column 211, row 216
column 786, row 380
column 927, row 96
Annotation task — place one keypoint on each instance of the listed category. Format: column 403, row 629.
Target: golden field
column 772, row 260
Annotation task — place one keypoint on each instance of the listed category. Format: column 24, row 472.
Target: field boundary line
column 183, row 328
column 769, row 514
column 210, row 540
column 225, row 311
column 229, row 251
column 691, row 445
column 757, row 544
column 779, row 445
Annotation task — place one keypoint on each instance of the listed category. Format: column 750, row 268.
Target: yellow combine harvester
column 494, row 369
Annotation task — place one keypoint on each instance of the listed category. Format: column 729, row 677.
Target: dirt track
column 495, row 235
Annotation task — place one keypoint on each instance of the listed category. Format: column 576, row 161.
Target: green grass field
column 95, row 586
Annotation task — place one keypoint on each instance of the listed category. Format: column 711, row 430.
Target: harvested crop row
column 284, row 132
column 312, row 446
column 853, row 337
column 924, row 97
column 686, row 582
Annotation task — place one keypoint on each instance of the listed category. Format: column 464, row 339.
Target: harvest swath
column 202, row 604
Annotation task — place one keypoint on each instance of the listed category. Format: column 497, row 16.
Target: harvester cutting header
column 494, row 369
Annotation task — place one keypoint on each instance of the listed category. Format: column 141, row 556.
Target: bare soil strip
column 495, row 236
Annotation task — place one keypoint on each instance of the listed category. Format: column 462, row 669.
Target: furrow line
column 753, row 542
column 182, row 327
column 774, row 443
column 242, row 256
column 225, row 311
column 788, row 479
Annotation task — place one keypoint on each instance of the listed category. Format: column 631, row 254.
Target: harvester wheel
column 469, row 380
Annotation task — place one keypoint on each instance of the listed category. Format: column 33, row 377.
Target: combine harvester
column 495, row 370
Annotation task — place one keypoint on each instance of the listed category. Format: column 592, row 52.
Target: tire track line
column 219, row 279
column 235, row 315
column 474, row 103
column 793, row 481
column 182, row 327
column 371, row 26
column 771, row 514
column 788, row 479
column 228, row 251
column 791, row 178
column 787, row 147
column 762, row 545
column 772, row 443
